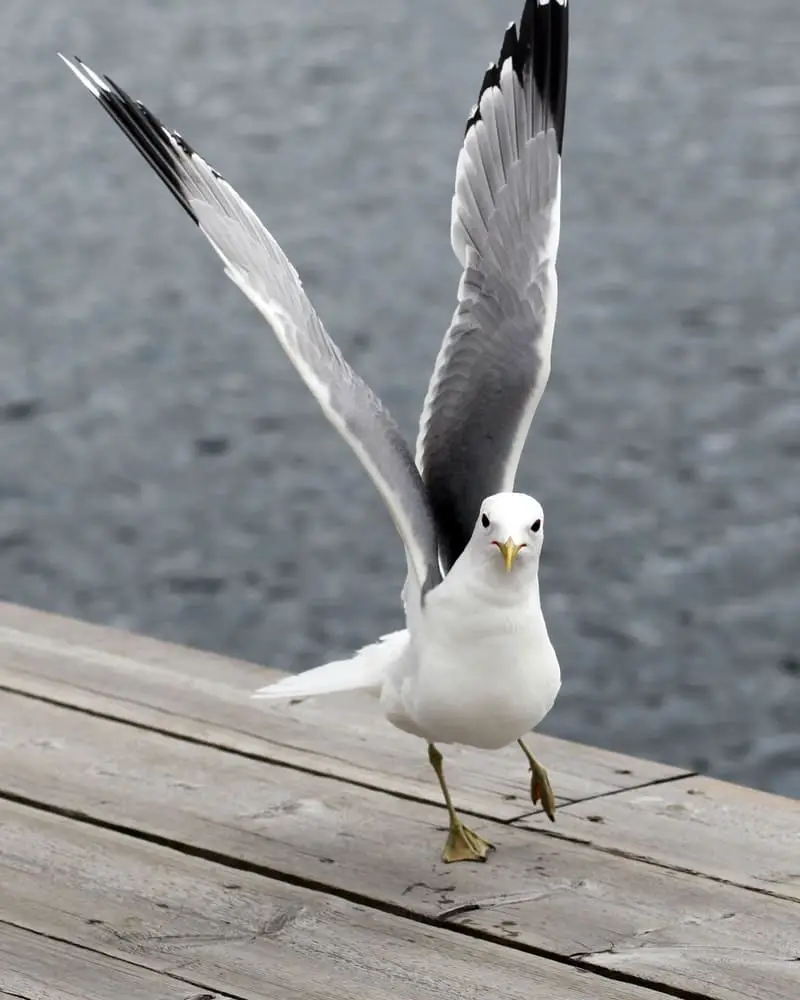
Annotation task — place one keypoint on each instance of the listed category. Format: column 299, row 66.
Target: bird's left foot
column 541, row 790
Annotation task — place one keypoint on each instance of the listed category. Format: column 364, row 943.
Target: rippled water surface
column 164, row 469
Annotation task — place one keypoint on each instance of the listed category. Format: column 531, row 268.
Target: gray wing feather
column 255, row 262
column 495, row 359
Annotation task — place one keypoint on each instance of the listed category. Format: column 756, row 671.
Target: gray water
column 164, row 469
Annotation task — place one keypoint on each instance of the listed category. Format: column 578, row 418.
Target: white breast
column 485, row 674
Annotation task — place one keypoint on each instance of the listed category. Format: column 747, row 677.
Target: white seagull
column 475, row 664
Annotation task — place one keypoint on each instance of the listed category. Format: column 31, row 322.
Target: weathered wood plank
column 33, row 967
column 563, row 898
column 699, row 824
column 246, row 935
column 208, row 697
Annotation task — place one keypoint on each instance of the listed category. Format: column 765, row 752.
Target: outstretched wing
column 495, row 359
column 254, row 261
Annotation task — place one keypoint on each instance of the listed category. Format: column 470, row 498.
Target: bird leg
column 462, row 843
column 540, row 785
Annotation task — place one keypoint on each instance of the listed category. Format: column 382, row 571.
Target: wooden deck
column 162, row 836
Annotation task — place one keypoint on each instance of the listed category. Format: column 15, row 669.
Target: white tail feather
column 363, row 671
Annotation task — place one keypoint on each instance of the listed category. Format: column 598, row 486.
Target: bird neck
column 490, row 585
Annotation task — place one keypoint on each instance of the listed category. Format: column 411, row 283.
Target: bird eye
column 536, row 525
column 485, row 520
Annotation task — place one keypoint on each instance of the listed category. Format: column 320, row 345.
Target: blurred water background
column 163, row 468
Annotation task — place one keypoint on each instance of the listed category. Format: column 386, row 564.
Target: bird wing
column 494, row 361
column 256, row 264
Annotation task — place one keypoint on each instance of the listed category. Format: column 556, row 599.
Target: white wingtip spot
column 80, row 72
column 87, row 76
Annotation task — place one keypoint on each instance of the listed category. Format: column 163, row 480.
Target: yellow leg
column 540, row 785
column 462, row 843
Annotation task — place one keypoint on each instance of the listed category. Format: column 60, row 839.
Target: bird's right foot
column 464, row 844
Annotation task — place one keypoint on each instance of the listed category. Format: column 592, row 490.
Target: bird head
column 509, row 531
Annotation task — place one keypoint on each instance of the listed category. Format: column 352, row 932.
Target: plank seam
column 646, row 859
column 122, row 959
column 576, row 961
column 566, row 803
column 407, row 796
column 263, row 757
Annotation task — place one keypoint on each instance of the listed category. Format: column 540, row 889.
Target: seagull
column 475, row 665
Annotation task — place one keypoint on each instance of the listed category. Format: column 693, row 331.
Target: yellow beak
column 510, row 551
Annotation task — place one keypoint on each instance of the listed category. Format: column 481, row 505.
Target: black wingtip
column 542, row 46
column 510, row 44
column 559, row 60
column 491, row 78
column 144, row 130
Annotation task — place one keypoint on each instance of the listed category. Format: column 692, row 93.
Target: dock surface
column 164, row 837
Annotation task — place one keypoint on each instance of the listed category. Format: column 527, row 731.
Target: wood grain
column 207, row 697
column 699, row 824
column 248, row 936
column 33, row 967
column 563, row 898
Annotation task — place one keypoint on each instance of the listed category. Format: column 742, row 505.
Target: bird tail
column 364, row 671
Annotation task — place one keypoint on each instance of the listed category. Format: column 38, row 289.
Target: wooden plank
column 207, row 697
column 33, row 967
column 246, row 935
column 699, row 824
column 559, row 897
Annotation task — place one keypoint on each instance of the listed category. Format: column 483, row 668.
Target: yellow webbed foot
column 464, row 844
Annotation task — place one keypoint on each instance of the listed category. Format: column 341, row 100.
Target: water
column 165, row 470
